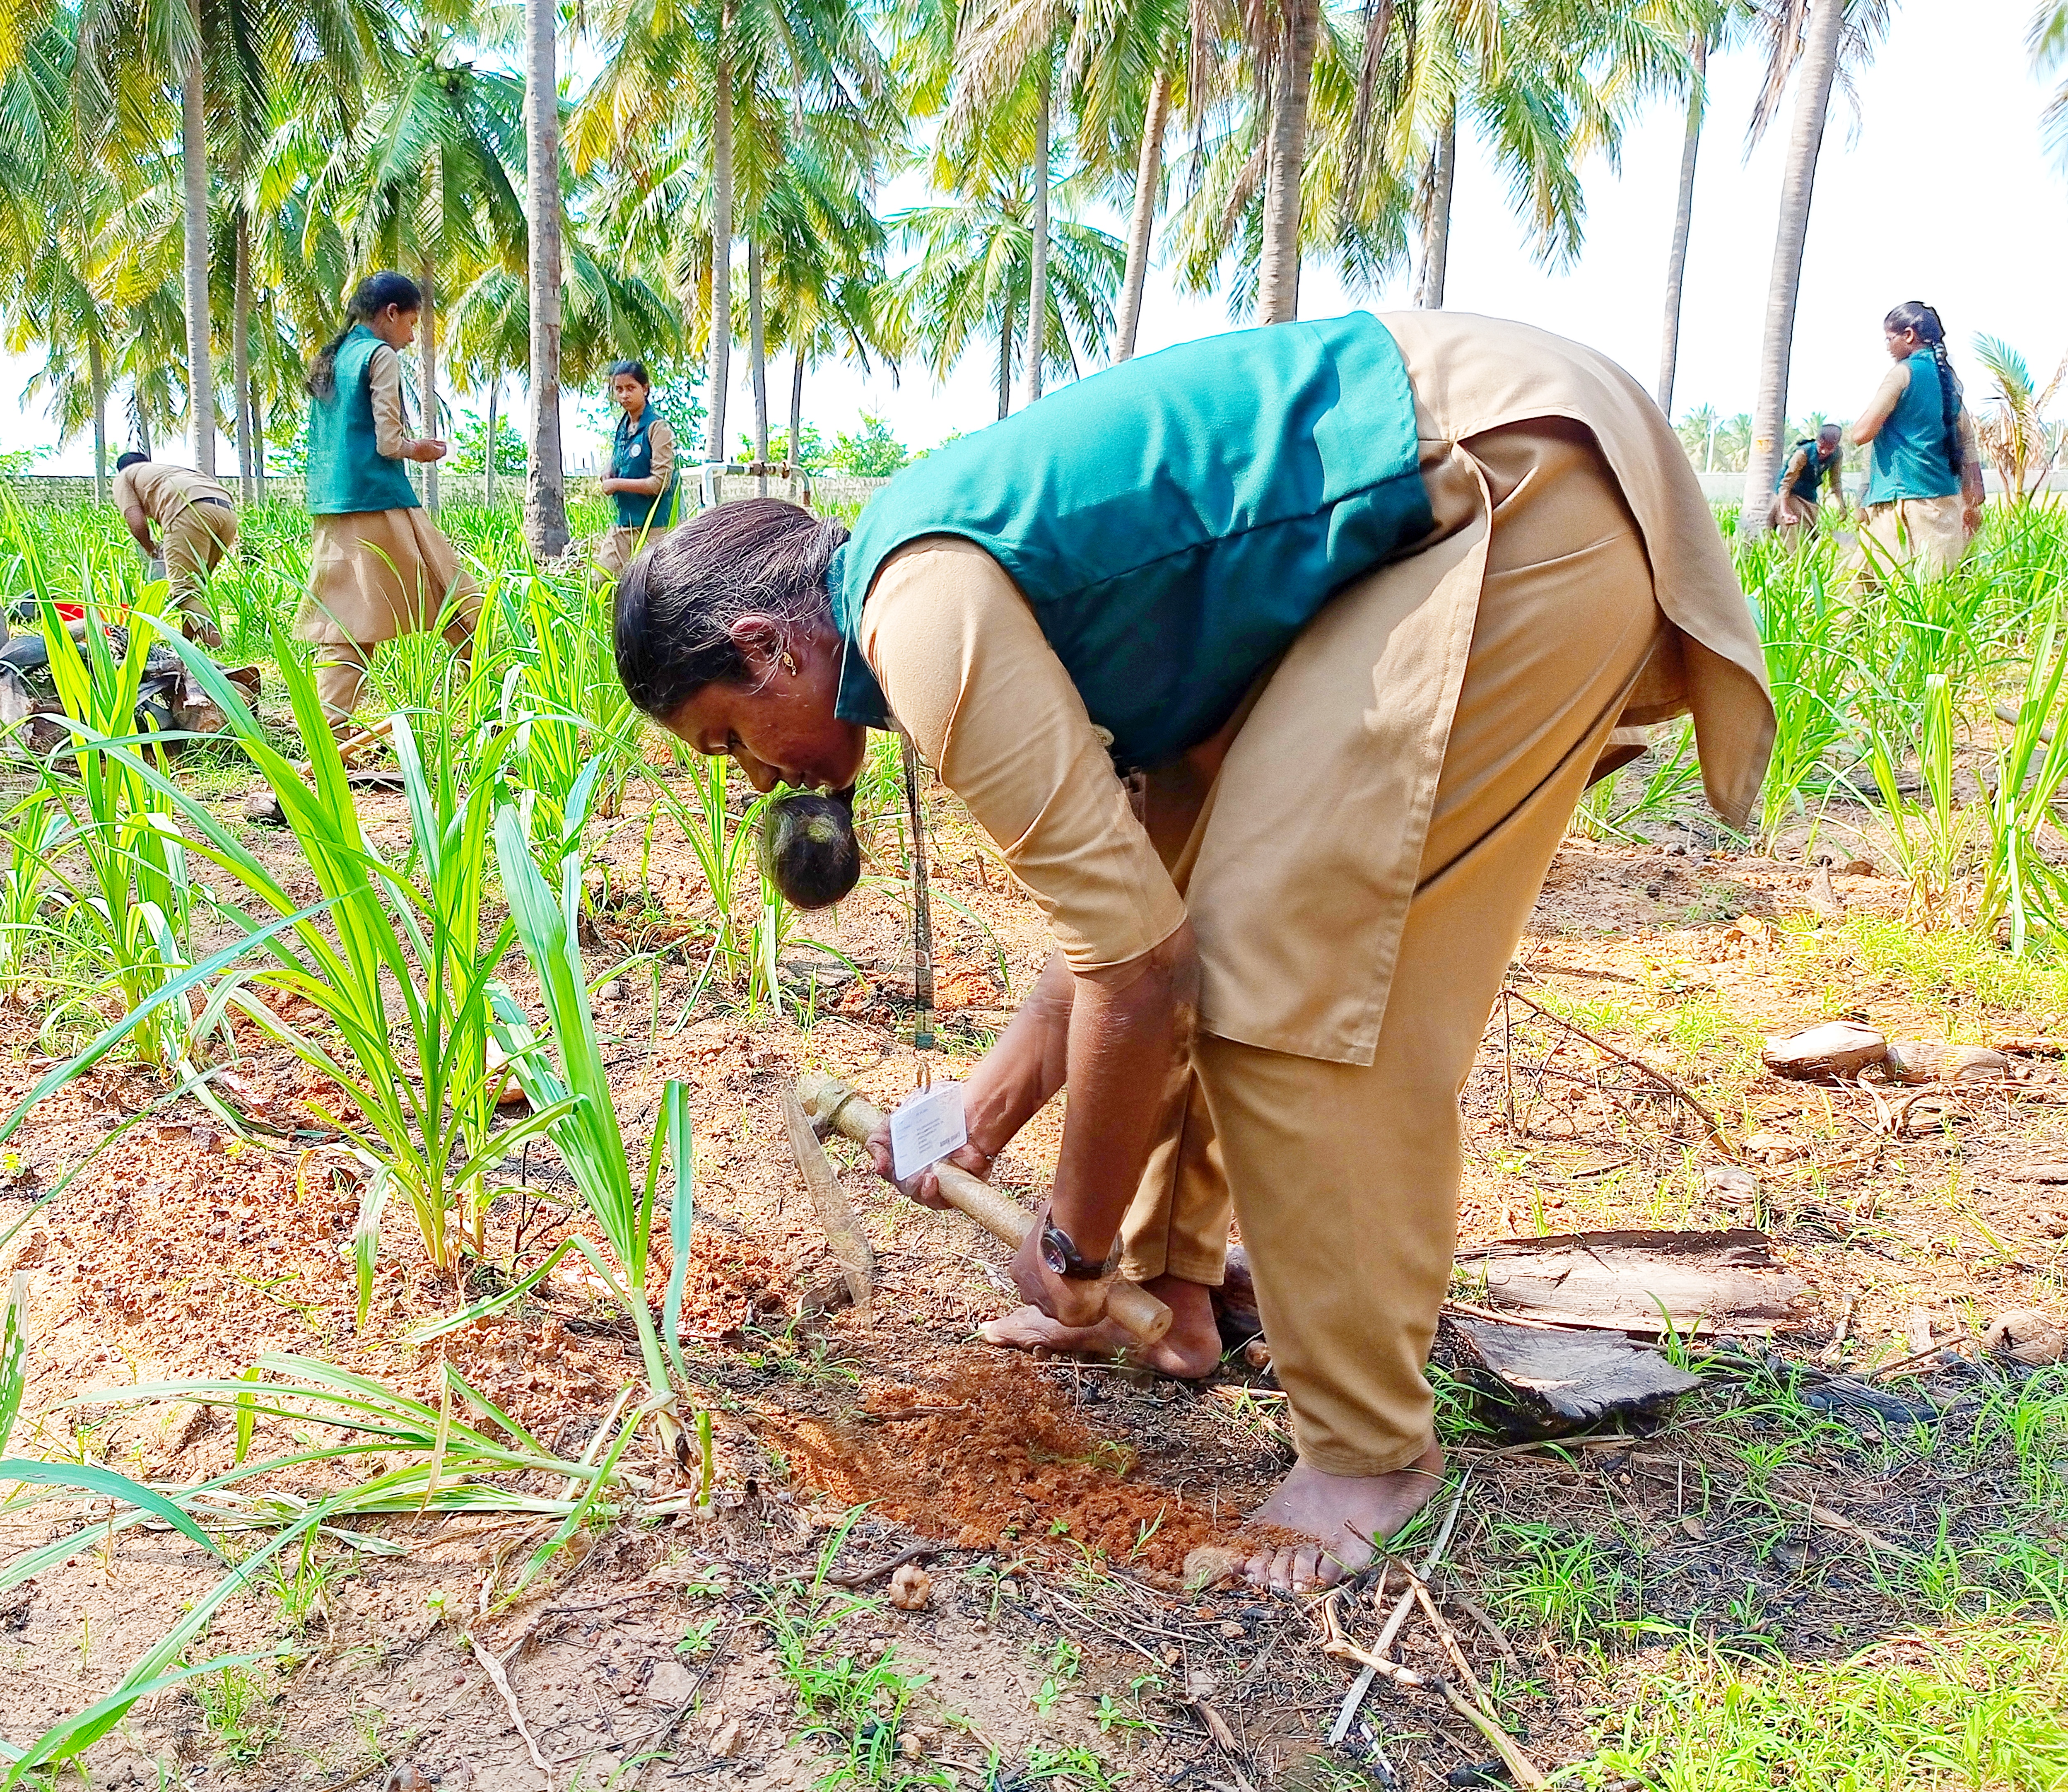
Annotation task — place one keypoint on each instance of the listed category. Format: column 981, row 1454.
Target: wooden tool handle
column 827, row 1101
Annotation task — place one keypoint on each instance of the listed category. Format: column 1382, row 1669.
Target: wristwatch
column 1060, row 1252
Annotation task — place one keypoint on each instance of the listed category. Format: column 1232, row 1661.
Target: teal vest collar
column 1175, row 522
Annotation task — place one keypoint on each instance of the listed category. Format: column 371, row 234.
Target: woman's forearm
column 1022, row 1071
column 1130, row 1047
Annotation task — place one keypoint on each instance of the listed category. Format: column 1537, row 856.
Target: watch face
column 1054, row 1253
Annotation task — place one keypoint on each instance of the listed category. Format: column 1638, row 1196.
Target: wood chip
column 2027, row 1335
column 1923, row 1060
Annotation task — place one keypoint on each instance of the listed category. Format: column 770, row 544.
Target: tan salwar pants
column 619, row 547
column 1928, row 536
column 374, row 575
column 196, row 538
column 1344, row 1176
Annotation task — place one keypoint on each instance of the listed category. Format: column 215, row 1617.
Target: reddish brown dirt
column 993, row 1455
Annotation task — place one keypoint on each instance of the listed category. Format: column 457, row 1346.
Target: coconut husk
column 1836, row 1049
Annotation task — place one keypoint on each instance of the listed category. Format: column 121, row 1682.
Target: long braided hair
column 1914, row 314
column 371, row 297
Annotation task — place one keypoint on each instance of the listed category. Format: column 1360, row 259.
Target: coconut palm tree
column 1818, row 41
column 545, row 477
column 429, row 183
column 2048, row 43
column 1705, row 33
column 691, row 115
column 1544, row 83
column 2014, row 433
column 973, row 273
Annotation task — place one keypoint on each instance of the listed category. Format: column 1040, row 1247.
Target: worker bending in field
column 197, row 525
column 642, row 481
column 1275, row 665
column 380, row 567
column 1813, row 462
column 1923, row 499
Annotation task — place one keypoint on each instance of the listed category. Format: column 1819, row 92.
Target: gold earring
column 789, row 665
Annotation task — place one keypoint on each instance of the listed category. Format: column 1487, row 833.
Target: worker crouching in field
column 1353, row 607
column 197, row 525
column 380, row 567
column 1923, row 499
column 642, row 481
column 1811, row 464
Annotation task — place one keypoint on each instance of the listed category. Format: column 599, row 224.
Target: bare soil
column 1060, row 1500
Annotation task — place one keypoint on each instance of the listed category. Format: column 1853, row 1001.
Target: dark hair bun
column 807, row 849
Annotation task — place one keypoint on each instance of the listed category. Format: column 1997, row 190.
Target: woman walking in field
column 1924, row 499
column 379, row 568
column 642, row 481
column 1275, row 665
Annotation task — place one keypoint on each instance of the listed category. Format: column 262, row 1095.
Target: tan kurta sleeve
column 966, row 671
column 662, row 440
column 125, row 494
column 391, row 428
column 1886, row 396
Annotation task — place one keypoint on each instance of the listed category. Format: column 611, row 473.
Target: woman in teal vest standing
column 1924, row 499
column 380, row 567
column 1274, row 664
column 642, row 481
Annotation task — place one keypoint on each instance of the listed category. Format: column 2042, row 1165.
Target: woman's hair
column 1914, row 314
column 633, row 370
column 677, row 602
column 371, row 297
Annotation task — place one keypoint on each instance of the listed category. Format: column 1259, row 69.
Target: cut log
column 1540, row 1382
column 1837, row 1048
column 1923, row 1060
column 1637, row 1280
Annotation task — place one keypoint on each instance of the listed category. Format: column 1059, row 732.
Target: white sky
column 1946, row 196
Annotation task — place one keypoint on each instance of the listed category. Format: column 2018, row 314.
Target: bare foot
column 1189, row 1350
column 1344, row 1514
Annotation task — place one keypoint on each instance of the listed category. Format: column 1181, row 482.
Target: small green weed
column 238, row 1708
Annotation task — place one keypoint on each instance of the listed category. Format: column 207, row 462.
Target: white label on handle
column 927, row 1129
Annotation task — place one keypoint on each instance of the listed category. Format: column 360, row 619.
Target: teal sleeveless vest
column 632, row 458
column 1175, row 521
column 1909, row 451
column 347, row 471
column 1813, row 472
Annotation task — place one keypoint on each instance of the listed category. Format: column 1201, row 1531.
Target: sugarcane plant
column 562, row 1075
column 419, row 1118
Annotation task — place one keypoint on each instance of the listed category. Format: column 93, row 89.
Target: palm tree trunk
column 1005, row 361
column 142, row 422
column 96, row 373
column 721, row 318
column 488, row 459
column 757, row 353
column 797, row 454
column 1684, row 218
column 255, row 403
column 1148, row 176
column 1278, row 286
column 1436, row 226
column 194, row 156
column 1805, row 138
column 427, row 377
column 240, row 357
column 1037, row 272
column 545, row 477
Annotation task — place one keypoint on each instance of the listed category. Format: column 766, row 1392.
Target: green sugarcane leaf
column 675, row 1121
column 86, row 1477
column 248, row 1413
column 495, row 1304
column 69, row 1737
column 14, row 1355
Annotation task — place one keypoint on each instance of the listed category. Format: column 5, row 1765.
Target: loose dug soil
column 650, row 1655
